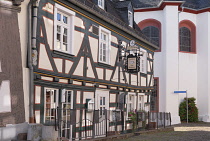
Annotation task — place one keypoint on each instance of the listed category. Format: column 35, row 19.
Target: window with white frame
column 67, row 105
column 63, row 29
column 143, row 61
column 50, row 105
column 130, row 18
column 104, row 45
column 140, row 105
column 131, row 102
column 101, row 3
column 102, row 101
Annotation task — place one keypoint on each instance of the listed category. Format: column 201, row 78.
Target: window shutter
column 72, row 117
column 121, row 101
column 95, row 30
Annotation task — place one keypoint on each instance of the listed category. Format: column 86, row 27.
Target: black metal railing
column 86, row 124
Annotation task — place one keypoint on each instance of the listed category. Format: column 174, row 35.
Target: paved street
column 183, row 132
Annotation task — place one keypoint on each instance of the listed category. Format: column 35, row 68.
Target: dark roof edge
column 160, row 4
column 114, row 23
column 195, row 9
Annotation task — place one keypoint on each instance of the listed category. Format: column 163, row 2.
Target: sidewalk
column 182, row 132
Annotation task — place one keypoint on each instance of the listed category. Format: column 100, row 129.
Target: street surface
column 184, row 132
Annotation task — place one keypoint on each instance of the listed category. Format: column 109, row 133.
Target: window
column 63, row 27
column 140, row 104
column 51, row 102
column 185, row 39
column 152, row 33
column 130, row 18
column 101, row 3
column 152, row 29
column 67, row 97
column 102, row 101
column 143, row 61
column 104, row 45
column 131, row 104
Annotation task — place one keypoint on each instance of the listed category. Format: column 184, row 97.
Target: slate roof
column 112, row 13
column 191, row 4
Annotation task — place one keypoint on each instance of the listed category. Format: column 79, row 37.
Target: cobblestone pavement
column 183, row 132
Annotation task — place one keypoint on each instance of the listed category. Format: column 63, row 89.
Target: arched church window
column 152, row 32
column 185, row 39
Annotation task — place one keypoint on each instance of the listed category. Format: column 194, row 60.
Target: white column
column 203, row 52
column 170, row 51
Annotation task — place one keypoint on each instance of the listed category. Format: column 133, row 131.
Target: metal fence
column 84, row 124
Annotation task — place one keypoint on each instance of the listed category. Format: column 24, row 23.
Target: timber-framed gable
column 81, row 70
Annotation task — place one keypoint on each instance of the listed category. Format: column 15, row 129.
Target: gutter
column 32, row 54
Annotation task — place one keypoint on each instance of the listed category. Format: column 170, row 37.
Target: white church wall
column 203, row 21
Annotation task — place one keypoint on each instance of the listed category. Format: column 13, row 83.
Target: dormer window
column 101, row 3
column 130, row 18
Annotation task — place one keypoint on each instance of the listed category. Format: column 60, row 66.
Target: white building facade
column 182, row 31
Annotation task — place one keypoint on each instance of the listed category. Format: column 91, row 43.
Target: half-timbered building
column 62, row 62
column 78, row 64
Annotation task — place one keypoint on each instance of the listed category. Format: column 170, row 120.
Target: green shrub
column 192, row 110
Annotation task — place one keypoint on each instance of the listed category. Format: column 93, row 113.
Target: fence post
column 170, row 118
column 56, row 128
column 122, row 120
column 137, row 120
column 157, row 120
column 148, row 120
column 164, row 119
column 85, row 123
column 93, row 132
column 106, row 120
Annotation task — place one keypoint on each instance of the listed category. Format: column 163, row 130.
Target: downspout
column 32, row 54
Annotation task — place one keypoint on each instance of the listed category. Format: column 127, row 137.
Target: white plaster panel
column 149, row 66
column 59, row 64
column 94, row 48
column 100, row 73
column 37, row 94
column 0, row 66
column 91, row 27
column 108, row 74
column 78, row 37
column 143, row 81
column 68, row 66
column 79, row 22
column 47, row 78
column 148, row 79
column 115, row 77
column 78, row 97
column 122, row 79
column 48, row 8
column 5, row 100
column 112, row 98
column 188, row 16
column 90, row 69
column 77, row 83
column 37, row 116
column 114, row 39
column 63, row 80
column 49, row 31
column 44, row 61
column 88, row 95
column 140, row 16
column 133, row 79
column 79, row 68
column 114, row 51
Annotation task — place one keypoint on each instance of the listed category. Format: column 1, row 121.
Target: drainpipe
column 32, row 53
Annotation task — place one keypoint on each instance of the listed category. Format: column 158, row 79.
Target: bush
column 192, row 110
